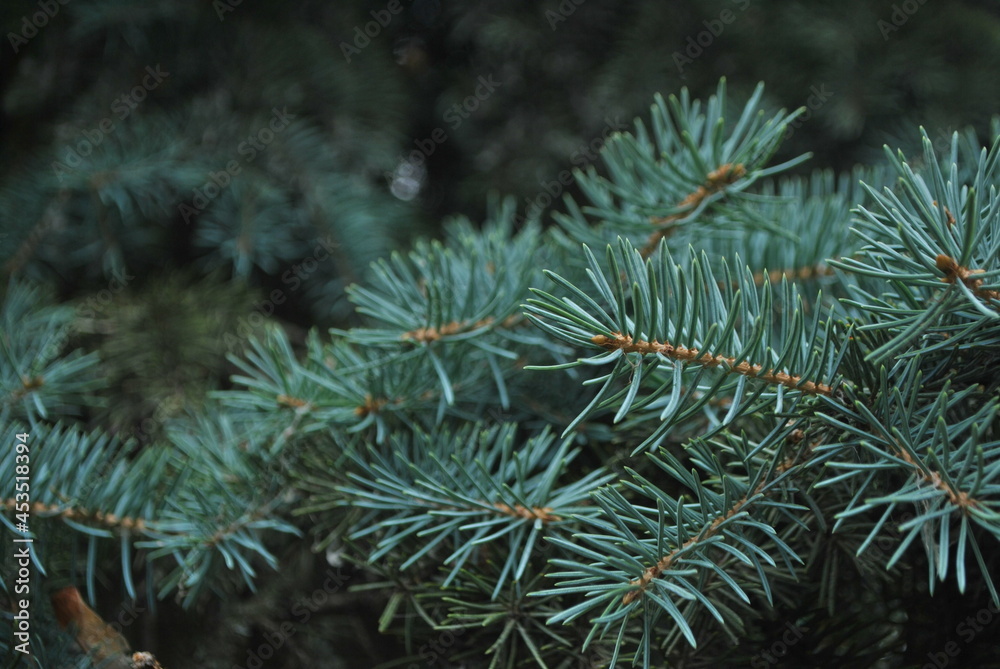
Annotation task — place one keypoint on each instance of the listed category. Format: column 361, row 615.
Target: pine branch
column 94, row 486
column 954, row 272
column 468, row 490
column 682, row 317
column 35, row 374
column 691, row 172
column 624, row 343
column 716, row 181
column 951, row 483
column 122, row 524
column 669, row 543
column 936, row 231
column 792, row 274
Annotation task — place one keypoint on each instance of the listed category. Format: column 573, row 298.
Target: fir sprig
column 710, row 338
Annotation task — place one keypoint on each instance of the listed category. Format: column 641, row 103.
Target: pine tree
column 714, row 416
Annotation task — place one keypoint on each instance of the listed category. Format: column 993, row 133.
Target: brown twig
column 626, row 344
column 959, row 498
column 542, row 513
column 716, row 180
column 954, row 272
column 950, row 218
column 425, row 335
column 668, row 560
column 28, row 384
column 80, row 514
column 293, row 402
column 370, row 406
column 793, row 274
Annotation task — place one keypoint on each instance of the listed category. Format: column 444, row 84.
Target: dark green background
column 560, row 75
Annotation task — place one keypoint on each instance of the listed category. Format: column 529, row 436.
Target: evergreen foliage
column 731, row 397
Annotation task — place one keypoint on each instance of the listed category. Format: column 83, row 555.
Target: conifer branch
column 109, row 520
column 626, row 344
column 28, row 384
column 293, row 402
column 668, row 560
column 239, row 524
column 954, row 272
column 426, row 335
column 959, row 498
column 370, row 406
column 805, row 273
column 732, row 497
column 717, row 179
column 762, row 489
column 543, row 513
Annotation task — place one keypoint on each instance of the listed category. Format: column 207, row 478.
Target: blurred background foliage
column 390, row 133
